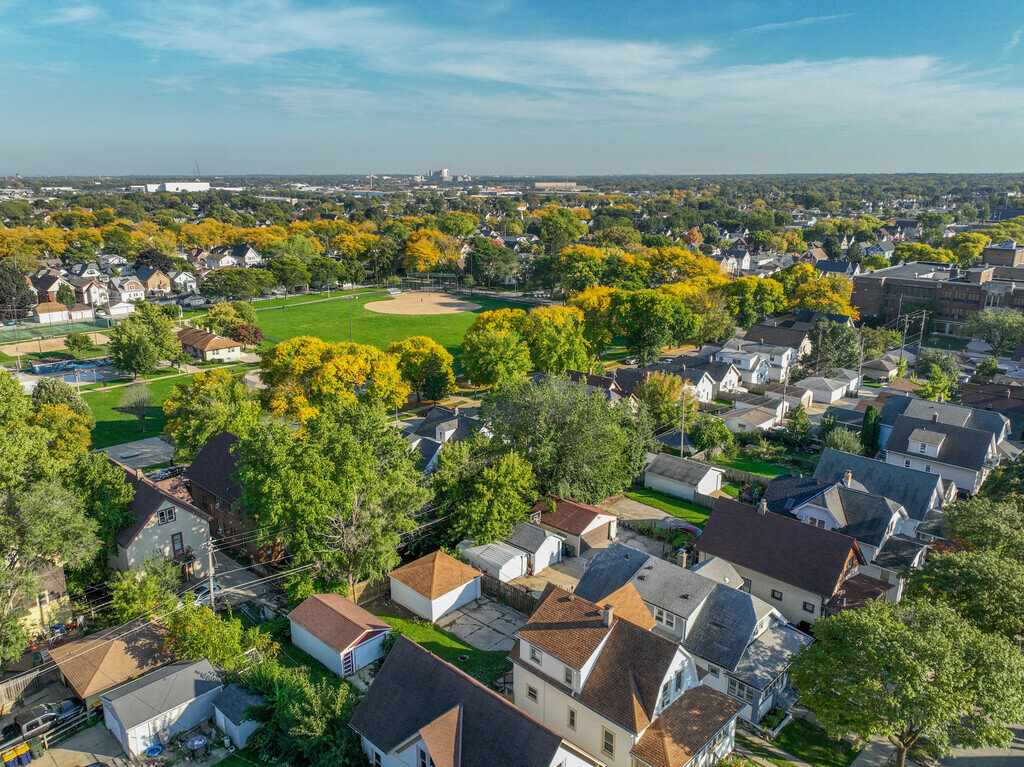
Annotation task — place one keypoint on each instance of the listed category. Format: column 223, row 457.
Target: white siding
column 793, row 598
column 369, row 650
column 155, row 538
column 668, row 486
column 970, row 481
column 239, row 734
column 548, row 554
column 178, row 719
column 320, row 650
column 432, row 610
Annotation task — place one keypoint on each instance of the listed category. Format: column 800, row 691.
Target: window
column 713, row 670
column 666, row 694
column 808, row 608
column 816, row 522
column 536, row 655
column 531, row 693
column 668, row 620
column 607, row 742
column 678, row 682
column 741, row 691
column 571, row 718
column 568, row 676
column 376, row 759
column 906, row 463
column 746, row 585
column 177, row 544
column 423, row 758
column 928, row 468
column 164, row 516
column 776, row 595
column 922, row 448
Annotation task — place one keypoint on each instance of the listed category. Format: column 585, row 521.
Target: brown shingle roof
column 685, row 727
column 200, row 339
column 50, row 307
column 781, row 547
column 100, row 661
column 435, row 574
column 629, row 605
column 569, row 516
column 566, row 626
column 334, row 620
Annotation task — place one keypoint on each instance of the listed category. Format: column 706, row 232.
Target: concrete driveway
column 141, row 453
column 485, row 624
column 97, row 744
column 991, row 757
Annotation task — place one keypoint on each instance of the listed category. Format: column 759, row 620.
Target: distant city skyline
column 509, row 87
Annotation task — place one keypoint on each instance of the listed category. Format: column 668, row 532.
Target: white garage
column 338, row 632
column 498, row 559
column 680, row 477
column 543, row 548
column 434, row 585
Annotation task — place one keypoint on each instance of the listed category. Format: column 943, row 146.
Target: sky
column 517, row 87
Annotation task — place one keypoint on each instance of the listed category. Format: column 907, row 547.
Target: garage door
column 597, row 536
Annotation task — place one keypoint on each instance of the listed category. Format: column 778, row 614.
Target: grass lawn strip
column 677, row 507
column 759, row 750
column 812, row 744
column 485, row 667
column 764, row 469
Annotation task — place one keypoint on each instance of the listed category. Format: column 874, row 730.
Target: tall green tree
column 841, row 438
column 910, row 670
column 16, row 298
column 833, row 345
column 57, row 391
column 709, row 432
column 147, row 591
column 559, row 229
column 132, row 350
column 799, row 427
column 1002, row 329
column 664, row 395
column 870, row 430
column 214, row 401
column 555, row 337
column 196, row 632
column 649, row 320
column 493, row 356
column 66, row 295
column 987, row 525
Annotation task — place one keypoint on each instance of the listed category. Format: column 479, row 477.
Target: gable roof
column 776, row 335
column 566, row 626
column 204, row 341
column 769, row 655
column 233, row 702
column 414, row 689
column 213, row 466
column 435, row 574
column 102, row 660
column 860, row 514
column 334, row 620
column 783, row 548
column 679, row 469
column 684, row 728
column 149, row 498
column 447, row 418
column 955, row 415
column 569, row 516
column 627, row 604
column 787, row 491
column 960, row 446
column 161, row 691
column 529, row 537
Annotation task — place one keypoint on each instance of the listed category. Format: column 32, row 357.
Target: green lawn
column 329, row 320
column 113, row 426
column 731, row 490
column 243, row 758
column 810, row 743
column 677, row 507
column 761, row 751
column 485, row 667
column 770, row 470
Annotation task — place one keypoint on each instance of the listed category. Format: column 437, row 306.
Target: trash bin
column 10, row 758
column 36, row 747
column 24, row 754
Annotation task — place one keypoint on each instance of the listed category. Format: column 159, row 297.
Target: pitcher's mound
column 414, row 302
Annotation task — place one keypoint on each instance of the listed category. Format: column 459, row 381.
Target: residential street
column 991, row 757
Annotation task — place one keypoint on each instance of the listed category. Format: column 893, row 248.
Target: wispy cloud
column 74, row 14
column 1014, row 40
column 804, row 22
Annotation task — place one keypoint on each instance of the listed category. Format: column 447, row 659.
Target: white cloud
column 74, row 14
column 1014, row 40
column 804, row 22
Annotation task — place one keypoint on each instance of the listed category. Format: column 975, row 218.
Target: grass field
column 770, row 470
column 811, row 744
column 677, row 507
column 329, row 320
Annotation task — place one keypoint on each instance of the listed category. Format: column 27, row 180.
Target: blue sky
column 510, row 86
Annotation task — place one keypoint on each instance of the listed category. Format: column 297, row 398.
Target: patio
column 485, row 624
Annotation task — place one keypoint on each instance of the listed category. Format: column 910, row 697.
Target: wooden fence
column 514, row 596
column 27, row 684
column 366, row 592
column 738, row 475
column 707, row 501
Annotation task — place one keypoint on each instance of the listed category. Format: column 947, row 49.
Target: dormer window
column 922, row 448
column 165, row 515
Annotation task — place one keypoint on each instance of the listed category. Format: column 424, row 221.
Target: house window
column 177, row 544
column 746, row 585
column 571, row 718
column 568, row 676
column 906, row 463
column 668, row 620
column 808, row 608
column 423, row 758
column 741, row 691
column 536, row 655
column 713, row 670
column 164, row 516
column 678, row 683
column 666, row 695
column 531, row 693
column 928, row 468
column 377, row 759
column 776, row 595
column 922, row 448
column 607, row 743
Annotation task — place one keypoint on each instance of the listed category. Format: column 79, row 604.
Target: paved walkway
column 97, row 744
column 485, row 624
column 875, row 754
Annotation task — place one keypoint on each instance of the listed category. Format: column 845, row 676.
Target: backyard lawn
column 810, row 743
column 765, row 469
column 677, row 507
column 485, row 667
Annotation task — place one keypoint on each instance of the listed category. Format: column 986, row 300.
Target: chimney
column 848, row 478
column 762, row 507
column 1007, row 393
column 456, row 409
column 935, row 417
column 607, row 618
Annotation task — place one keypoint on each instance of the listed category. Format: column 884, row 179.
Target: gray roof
column 934, row 523
column 963, row 447
column 724, row 627
column 927, row 437
column 679, row 469
column 719, row 571
column 769, row 655
column 899, row 551
column 862, row 515
column 787, row 491
column 233, row 702
column 156, row 693
column 463, row 425
column 528, row 537
column 956, row 415
column 912, row 488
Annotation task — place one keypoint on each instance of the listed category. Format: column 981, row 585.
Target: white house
column 127, row 289
column 154, row 708
column 208, row 347
column 749, row 419
column 434, row 585
column 81, row 313
column 959, row 454
column 118, row 309
column 422, row 712
column 497, row 559
column 543, row 548
column 51, row 313
column 183, row 282
column 583, row 526
column 338, row 632
column 229, row 712
column 825, row 391
column 91, row 291
column 680, row 477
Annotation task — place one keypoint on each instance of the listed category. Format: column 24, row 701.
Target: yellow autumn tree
column 831, row 293
column 499, row 319
column 596, row 303
column 422, row 360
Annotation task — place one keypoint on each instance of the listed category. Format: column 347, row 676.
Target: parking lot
column 142, row 452
column 485, row 624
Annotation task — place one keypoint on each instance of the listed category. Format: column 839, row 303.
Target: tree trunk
column 901, row 755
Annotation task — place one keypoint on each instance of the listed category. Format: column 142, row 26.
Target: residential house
column 208, row 347
column 543, row 548
column 724, row 375
column 883, row 248
column 680, row 477
column 46, row 284
column 752, row 367
column 824, row 391
column 91, row 291
column 794, row 338
column 109, row 262
column 998, row 424
column 338, row 632
column 844, row 268
column 127, row 289
column 420, row 711
column 164, row 525
column 81, row 313
column 959, row 454
column 221, row 258
column 229, row 712
column 155, row 282
column 583, row 526
column 51, row 313
column 693, row 371
column 619, row 692
column 606, row 385
column 434, row 585
column 751, row 418
column 879, row 370
column 94, row 664
column 742, row 646
column 791, row 395
column 84, row 271
column 150, row 711
column 47, row 603
column 791, row 565
column 241, row 254
column 440, row 426
column 182, row 282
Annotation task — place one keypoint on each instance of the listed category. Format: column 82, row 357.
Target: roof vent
column 935, row 417
column 684, row 596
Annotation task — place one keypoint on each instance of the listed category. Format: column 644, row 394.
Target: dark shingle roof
column 233, row 702
column 775, row 335
column 414, row 688
column 161, row 691
column 787, row 491
column 462, row 424
column 786, row 549
column 956, row 415
column 861, row 515
column 528, row 537
column 147, row 501
column 899, row 551
column 213, row 466
column 679, row 469
column 769, row 655
column 963, row 447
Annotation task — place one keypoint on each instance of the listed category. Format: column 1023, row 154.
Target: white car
column 202, row 593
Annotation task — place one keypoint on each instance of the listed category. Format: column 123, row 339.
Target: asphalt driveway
column 97, row 744
column 1013, row 756
column 485, row 624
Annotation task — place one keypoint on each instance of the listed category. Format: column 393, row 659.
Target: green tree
column 78, row 343
column 556, row 340
column 66, row 295
column 161, row 330
column 874, row 262
column 647, row 319
column 213, row 402
column 137, row 401
column 132, row 350
column 147, row 591
column 799, row 427
column 944, row 361
column 870, row 431
column 438, row 377
column 56, row 391
column 609, row 443
column 987, row 525
column 938, row 386
column 484, row 492
column 16, row 298
column 289, row 272
column 877, row 341
column 220, row 317
column 1002, row 329
column 421, row 356
column 910, row 670
column 841, row 438
column 246, row 312
column 457, row 224
column 339, row 495
column 715, row 322
column 709, row 432
column 493, row 356
column 106, row 497
column 983, row 587
column 196, row 632
column 559, row 229
column 989, row 367
column 663, row 394
column 751, row 299
column 834, row 345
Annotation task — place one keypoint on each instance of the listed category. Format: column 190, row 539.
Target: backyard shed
column 680, row 477
column 434, row 585
column 543, row 548
column 498, row 559
column 229, row 710
column 338, row 632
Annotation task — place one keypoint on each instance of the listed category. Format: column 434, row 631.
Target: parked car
column 10, row 736
column 36, row 721
column 65, row 709
column 202, row 593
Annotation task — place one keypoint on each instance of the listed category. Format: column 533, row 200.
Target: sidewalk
column 763, row 744
column 875, row 754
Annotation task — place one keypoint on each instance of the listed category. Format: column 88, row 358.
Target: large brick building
column 949, row 293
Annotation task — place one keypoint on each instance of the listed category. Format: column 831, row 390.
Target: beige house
column 164, row 525
column 209, row 347
column 154, row 281
column 49, row 604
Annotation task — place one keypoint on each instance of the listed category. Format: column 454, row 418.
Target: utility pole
column 903, row 343
column 209, row 563
column 860, row 365
column 350, row 299
column 920, row 334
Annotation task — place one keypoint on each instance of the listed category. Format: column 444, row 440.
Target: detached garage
column 229, row 710
column 583, row 526
column 543, row 548
column 680, row 477
column 434, row 585
column 498, row 559
column 338, row 632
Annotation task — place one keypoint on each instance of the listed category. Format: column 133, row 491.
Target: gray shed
column 229, row 709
